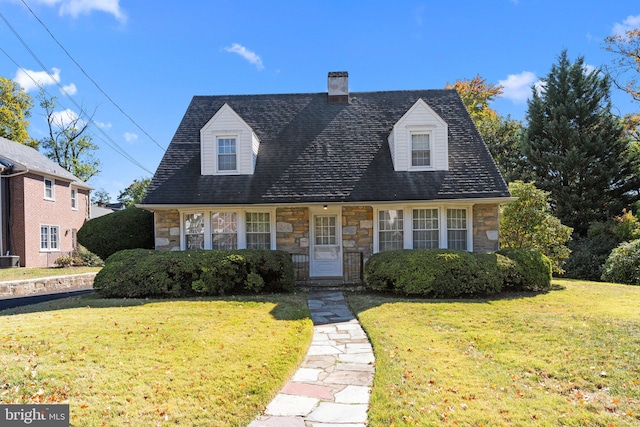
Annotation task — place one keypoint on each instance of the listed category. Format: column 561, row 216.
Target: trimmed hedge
column 129, row 228
column 138, row 273
column 442, row 273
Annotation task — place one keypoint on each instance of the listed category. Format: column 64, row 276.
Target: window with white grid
column 325, row 230
column 420, row 149
column 49, row 237
column 425, row 229
column 457, row 229
column 390, row 230
column 194, row 230
column 258, row 230
column 224, row 230
column 227, row 154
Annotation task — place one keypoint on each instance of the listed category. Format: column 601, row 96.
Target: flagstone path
column 331, row 388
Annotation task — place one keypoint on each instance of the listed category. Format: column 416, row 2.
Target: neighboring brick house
column 330, row 177
column 42, row 206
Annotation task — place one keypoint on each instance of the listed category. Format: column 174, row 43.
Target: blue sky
column 151, row 56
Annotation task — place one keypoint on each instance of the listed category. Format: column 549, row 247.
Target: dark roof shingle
column 314, row 151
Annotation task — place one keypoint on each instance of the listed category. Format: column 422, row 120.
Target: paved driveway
column 12, row 302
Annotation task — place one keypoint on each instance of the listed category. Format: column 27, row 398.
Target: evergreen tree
column 578, row 148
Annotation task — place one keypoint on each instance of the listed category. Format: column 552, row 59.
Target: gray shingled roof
column 313, row 151
column 15, row 153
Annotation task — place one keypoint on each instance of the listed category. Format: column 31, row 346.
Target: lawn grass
column 200, row 362
column 7, row 274
column 570, row 357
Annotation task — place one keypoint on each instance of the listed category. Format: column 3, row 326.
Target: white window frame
column 240, row 222
column 225, row 212
column 53, row 189
column 74, row 199
column 246, row 233
column 217, row 154
column 408, row 223
column 420, row 130
column 467, row 229
column 438, row 223
column 183, row 231
column 48, row 246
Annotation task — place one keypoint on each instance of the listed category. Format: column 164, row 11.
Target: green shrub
column 126, row 229
column 146, row 273
column 436, row 273
column 442, row 273
column 623, row 265
column 531, row 272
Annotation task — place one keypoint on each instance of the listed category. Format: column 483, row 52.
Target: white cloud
column 65, row 118
column 70, row 89
column 130, row 137
column 250, row 56
column 29, row 79
column 76, row 8
column 517, row 87
column 103, row 125
column 632, row 22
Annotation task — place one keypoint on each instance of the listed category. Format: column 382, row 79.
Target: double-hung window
column 421, row 149
column 194, row 230
column 426, row 234
column 49, row 238
column 258, row 225
column 457, row 229
column 224, row 230
column 390, row 229
column 226, row 154
column 49, row 189
column 74, row 199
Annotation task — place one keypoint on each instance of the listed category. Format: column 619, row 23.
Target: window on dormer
column 420, row 149
column 227, row 154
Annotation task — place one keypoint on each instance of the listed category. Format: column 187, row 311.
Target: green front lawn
column 8, row 274
column 568, row 357
column 201, row 362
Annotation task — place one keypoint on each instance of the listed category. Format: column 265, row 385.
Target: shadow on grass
column 286, row 306
column 371, row 299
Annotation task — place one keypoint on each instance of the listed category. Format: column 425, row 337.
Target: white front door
column 326, row 253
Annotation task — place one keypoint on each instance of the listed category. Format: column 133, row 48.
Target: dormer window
column 228, row 145
column 419, row 141
column 227, row 154
column 420, row 149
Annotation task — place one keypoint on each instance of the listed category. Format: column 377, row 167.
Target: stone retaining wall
column 46, row 284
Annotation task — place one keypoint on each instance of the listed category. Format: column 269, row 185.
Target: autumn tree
column 501, row 134
column 135, row 192
column 626, row 65
column 69, row 143
column 577, row 147
column 15, row 110
column 528, row 223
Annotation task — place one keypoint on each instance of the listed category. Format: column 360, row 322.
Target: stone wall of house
column 292, row 235
column 485, row 228
column 167, row 223
column 357, row 236
column 292, row 229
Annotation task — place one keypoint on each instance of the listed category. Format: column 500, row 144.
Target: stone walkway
column 332, row 386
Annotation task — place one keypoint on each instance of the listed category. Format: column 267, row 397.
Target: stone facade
column 357, row 237
column 167, row 226
column 485, row 228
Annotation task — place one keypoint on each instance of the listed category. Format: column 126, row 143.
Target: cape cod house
column 329, row 177
column 42, row 206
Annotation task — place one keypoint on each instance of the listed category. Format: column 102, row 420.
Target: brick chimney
column 338, row 85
